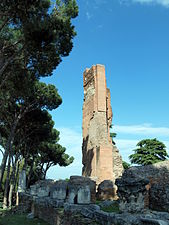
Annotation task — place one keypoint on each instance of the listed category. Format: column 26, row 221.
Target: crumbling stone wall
column 157, row 197
column 78, row 190
column 131, row 192
column 101, row 160
column 49, row 200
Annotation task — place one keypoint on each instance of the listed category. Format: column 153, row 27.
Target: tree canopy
column 34, row 37
column 37, row 34
column 149, row 151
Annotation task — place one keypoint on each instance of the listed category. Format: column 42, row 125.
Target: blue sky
column 131, row 38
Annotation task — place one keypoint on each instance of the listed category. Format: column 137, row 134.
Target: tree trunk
column 46, row 169
column 10, row 195
column 12, row 181
column 16, row 175
column 5, row 201
column 3, row 165
column 7, row 149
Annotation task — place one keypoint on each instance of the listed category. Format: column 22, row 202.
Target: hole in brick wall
column 67, row 192
column 75, row 199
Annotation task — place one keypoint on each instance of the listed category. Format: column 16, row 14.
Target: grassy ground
column 114, row 207
column 20, row 220
column 111, row 208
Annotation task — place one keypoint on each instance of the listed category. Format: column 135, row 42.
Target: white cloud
column 164, row 3
column 143, row 129
column 125, row 147
column 88, row 15
column 71, row 138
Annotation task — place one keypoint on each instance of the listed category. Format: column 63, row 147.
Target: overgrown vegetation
column 114, row 207
column 126, row 165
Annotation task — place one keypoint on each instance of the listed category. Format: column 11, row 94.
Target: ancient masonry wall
column 101, row 160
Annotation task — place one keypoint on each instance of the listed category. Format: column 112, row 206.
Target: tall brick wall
column 98, row 158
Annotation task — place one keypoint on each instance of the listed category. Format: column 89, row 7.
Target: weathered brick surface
column 100, row 160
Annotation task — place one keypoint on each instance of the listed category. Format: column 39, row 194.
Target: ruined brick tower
column 101, row 160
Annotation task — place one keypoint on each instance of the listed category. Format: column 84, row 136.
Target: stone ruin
column 131, row 192
column 141, row 190
column 101, row 159
column 153, row 187
column 78, row 190
column 73, row 202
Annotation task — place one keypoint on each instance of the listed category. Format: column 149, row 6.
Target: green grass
column 114, row 207
column 98, row 202
column 20, row 220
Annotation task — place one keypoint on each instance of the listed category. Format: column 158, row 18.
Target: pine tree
column 149, row 151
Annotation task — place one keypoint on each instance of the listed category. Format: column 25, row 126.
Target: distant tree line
column 34, row 37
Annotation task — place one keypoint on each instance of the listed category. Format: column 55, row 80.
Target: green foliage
column 126, row 165
column 40, row 149
column 114, row 207
column 67, row 179
column 149, row 151
column 37, row 32
column 113, row 135
column 34, row 37
column 20, row 219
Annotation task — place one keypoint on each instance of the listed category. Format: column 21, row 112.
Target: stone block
column 84, row 195
column 81, row 190
column 43, row 191
column 131, row 192
column 33, row 190
column 106, row 190
column 148, row 221
column 159, row 196
column 59, row 190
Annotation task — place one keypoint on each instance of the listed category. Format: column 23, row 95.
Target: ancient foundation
column 72, row 202
column 101, row 160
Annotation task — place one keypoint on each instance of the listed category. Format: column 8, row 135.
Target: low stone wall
column 72, row 202
column 78, row 190
column 57, row 212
